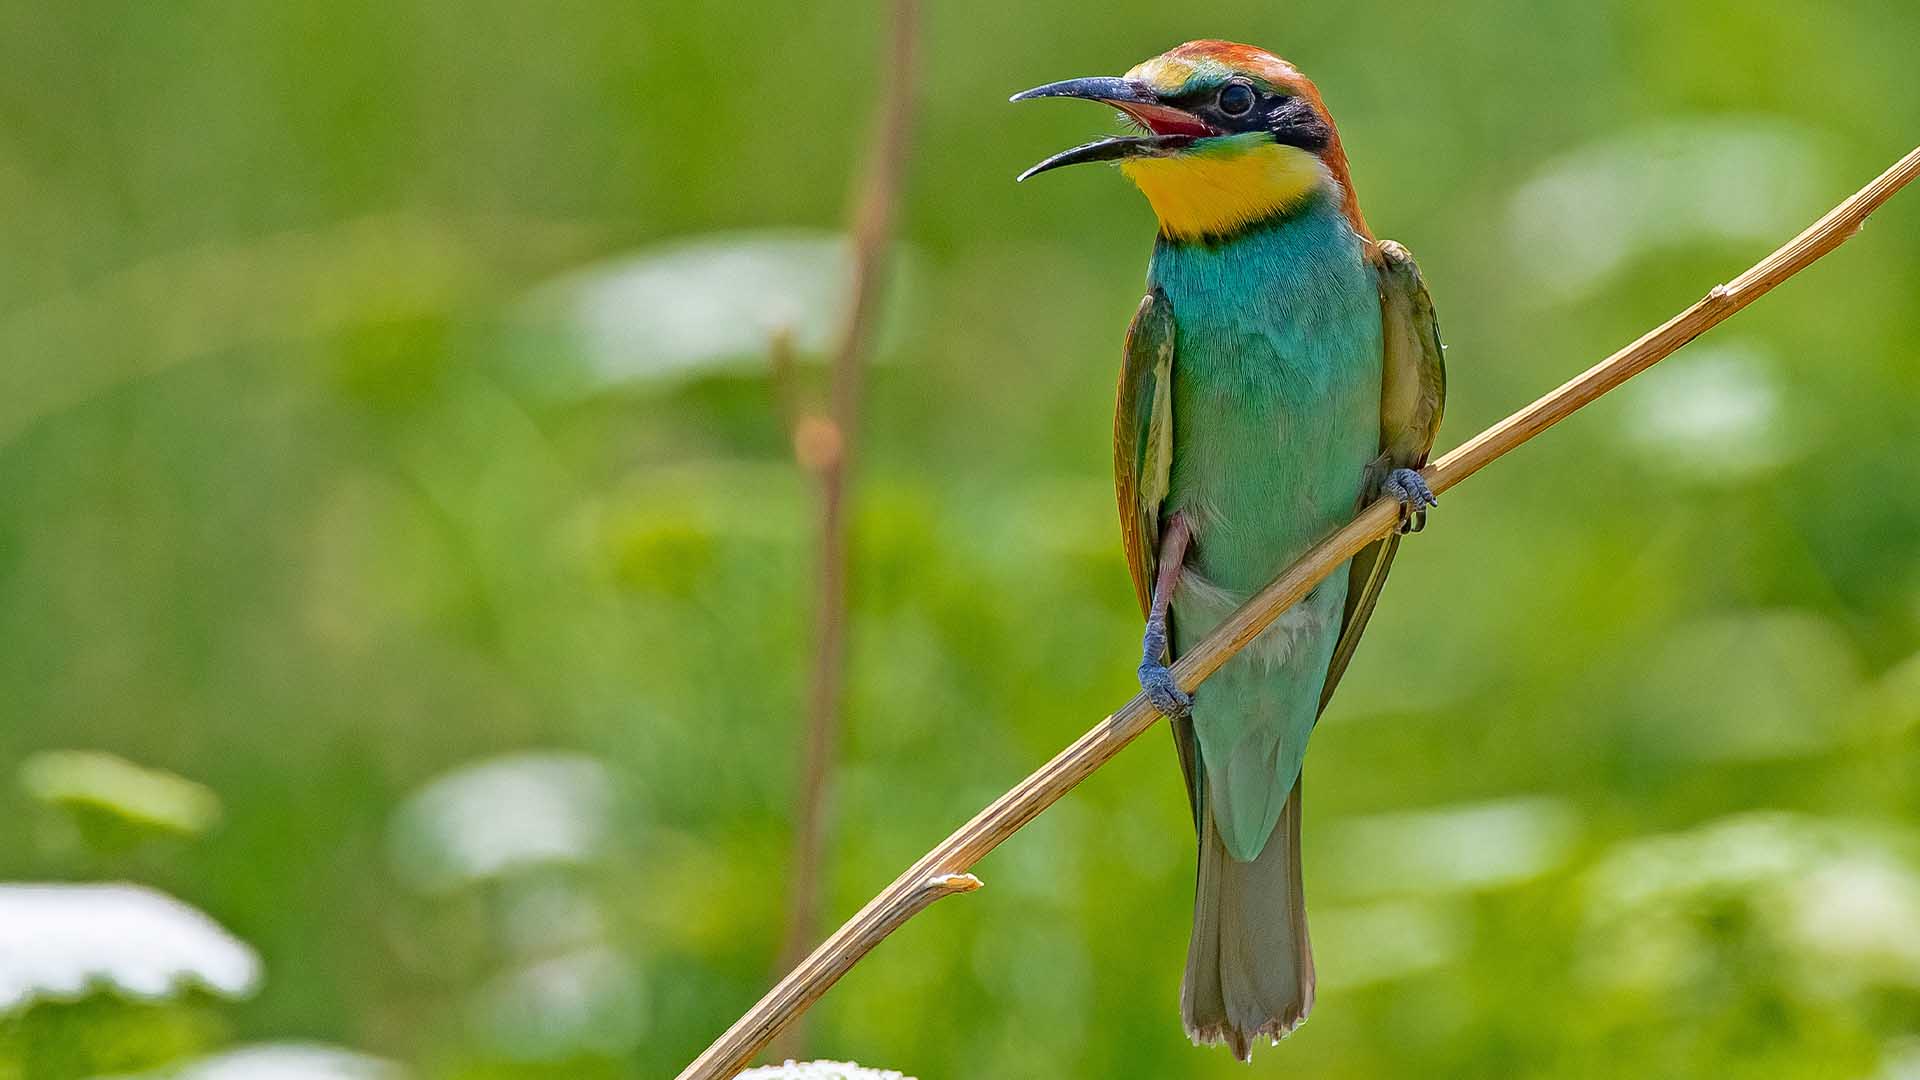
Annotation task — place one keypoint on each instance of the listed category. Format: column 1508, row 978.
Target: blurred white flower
column 1471, row 846
column 820, row 1070
column 1711, row 413
column 1860, row 909
column 64, row 941
column 498, row 817
column 588, row 1000
column 545, row 915
column 1900, row 1060
column 1590, row 212
column 1840, row 902
column 708, row 301
column 278, row 1061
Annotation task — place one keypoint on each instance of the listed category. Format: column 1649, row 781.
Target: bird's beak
column 1172, row 129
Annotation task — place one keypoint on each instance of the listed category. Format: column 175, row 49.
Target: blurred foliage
column 316, row 490
column 109, row 803
column 104, row 1033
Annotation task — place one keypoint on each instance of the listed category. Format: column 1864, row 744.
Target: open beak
column 1172, row 129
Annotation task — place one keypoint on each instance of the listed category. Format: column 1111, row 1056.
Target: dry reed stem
column 825, row 447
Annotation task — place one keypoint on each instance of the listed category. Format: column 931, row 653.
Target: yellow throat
column 1214, row 193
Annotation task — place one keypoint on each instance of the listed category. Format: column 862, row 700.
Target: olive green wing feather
column 1143, row 437
column 1413, row 394
column 1142, row 462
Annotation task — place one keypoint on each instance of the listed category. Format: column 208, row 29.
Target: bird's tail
column 1249, row 964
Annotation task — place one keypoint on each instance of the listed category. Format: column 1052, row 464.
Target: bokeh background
column 405, row 577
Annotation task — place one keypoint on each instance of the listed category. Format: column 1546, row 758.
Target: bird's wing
column 1143, row 437
column 1142, row 460
column 1413, row 393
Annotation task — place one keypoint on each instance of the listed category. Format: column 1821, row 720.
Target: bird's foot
column 1165, row 694
column 1410, row 489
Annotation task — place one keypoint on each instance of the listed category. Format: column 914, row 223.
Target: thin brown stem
column 910, row 892
column 825, row 446
column 785, row 378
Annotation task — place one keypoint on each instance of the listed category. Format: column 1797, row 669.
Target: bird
column 1283, row 369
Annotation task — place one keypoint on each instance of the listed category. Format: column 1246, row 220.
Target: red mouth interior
column 1164, row 120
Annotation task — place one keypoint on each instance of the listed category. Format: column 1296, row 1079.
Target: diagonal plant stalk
column 942, row 871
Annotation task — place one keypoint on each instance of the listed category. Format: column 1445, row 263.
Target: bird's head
column 1230, row 135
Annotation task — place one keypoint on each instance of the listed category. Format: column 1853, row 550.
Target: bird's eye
column 1236, row 99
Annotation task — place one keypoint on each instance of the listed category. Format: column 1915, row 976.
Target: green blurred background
column 388, row 462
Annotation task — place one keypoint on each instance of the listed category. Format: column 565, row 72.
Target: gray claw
column 1165, row 694
column 1410, row 489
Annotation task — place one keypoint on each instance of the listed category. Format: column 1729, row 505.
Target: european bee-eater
column 1284, row 368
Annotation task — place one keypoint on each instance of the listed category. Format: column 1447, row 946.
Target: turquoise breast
column 1276, row 388
column 1276, row 416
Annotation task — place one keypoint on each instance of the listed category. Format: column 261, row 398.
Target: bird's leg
column 1411, row 490
column 1155, row 679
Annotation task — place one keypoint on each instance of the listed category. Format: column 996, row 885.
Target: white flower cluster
column 820, row 1070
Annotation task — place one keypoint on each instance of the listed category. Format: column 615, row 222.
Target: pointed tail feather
column 1249, row 964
